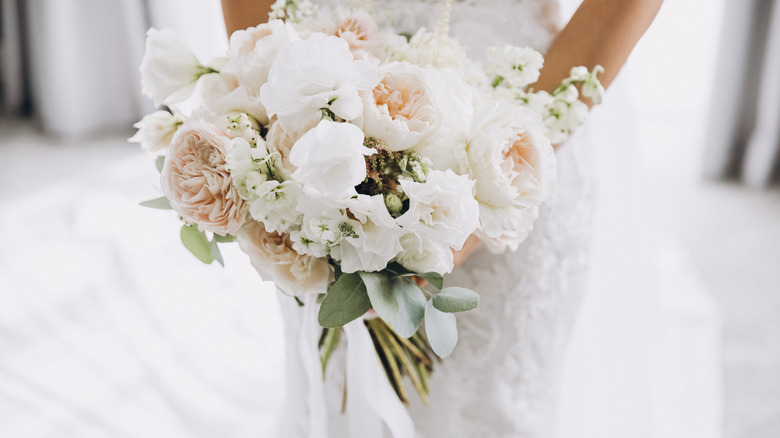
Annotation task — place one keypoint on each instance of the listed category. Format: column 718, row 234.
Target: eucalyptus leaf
column 433, row 278
column 411, row 306
column 197, row 243
column 455, row 299
column 224, row 239
column 380, row 292
column 442, row 330
column 395, row 269
column 159, row 163
column 215, row 252
column 161, row 203
column 346, row 300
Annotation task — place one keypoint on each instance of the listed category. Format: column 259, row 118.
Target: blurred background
column 99, row 328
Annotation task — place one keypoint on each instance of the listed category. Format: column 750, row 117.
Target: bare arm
column 601, row 32
column 240, row 14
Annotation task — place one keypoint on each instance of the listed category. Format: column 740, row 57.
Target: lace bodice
column 501, row 380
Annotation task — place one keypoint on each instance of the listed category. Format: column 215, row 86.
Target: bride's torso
column 501, row 379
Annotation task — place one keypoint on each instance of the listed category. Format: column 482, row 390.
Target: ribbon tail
column 308, row 344
column 371, row 399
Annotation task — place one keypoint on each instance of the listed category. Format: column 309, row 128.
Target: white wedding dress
column 502, row 379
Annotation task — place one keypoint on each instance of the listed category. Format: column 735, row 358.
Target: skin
column 601, row 32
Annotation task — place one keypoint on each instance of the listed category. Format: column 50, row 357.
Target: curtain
column 79, row 58
column 744, row 128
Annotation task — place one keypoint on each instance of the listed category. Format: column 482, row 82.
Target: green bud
column 393, row 203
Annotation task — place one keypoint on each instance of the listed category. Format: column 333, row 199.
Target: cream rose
column 253, row 51
column 514, row 166
column 274, row 258
column 356, row 27
column 196, row 180
column 280, row 141
column 400, row 110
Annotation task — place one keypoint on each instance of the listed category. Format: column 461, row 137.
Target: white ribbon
column 371, row 400
column 309, row 350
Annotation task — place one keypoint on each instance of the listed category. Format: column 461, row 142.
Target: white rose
column 514, row 166
column 223, row 93
column 400, row 110
column 169, row 69
column 446, row 146
column 329, row 159
column 422, row 255
column 443, row 205
column 375, row 237
column 253, row 51
column 156, row 131
column 312, row 75
column 274, row 258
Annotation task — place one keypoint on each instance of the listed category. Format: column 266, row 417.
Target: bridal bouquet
column 349, row 162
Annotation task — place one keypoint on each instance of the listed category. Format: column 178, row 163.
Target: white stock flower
column 443, row 207
column 156, row 131
column 515, row 67
column 313, row 75
column 330, row 159
column 514, row 166
column 246, row 166
column 421, row 255
column 275, row 205
column 376, row 239
column 400, row 110
column 169, row 69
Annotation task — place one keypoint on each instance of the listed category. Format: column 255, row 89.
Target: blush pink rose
column 400, row 110
column 197, row 183
column 274, row 258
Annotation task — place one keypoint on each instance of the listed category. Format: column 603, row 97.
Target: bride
column 502, row 379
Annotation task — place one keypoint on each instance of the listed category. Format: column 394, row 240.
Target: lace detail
column 501, row 380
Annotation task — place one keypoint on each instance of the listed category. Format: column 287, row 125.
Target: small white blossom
column 156, row 131
column 512, row 66
column 169, row 69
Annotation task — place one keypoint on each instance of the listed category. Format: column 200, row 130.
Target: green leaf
column 224, row 239
column 455, row 299
column 380, row 292
column 441, row 329
column 161, row 203
column 396, row 270
column 411, row 307
column 197, row 243
column 215, row 252
column 160, row 162
column 346, row 300
column 433, row 278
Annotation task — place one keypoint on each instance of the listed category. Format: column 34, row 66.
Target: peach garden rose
column 197, row 183
column 274, row 258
